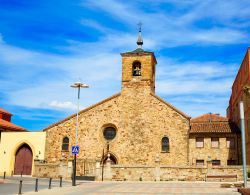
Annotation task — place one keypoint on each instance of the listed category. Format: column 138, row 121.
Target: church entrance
column 23, row 160
column 112, row 159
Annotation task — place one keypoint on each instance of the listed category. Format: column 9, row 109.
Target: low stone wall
column 46, row 170
column 62, row 169
column 163, row 173
column 140, row 173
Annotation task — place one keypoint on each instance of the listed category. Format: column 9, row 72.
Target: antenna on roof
column 210, row 119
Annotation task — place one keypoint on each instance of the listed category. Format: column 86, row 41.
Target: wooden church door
column 23, row 161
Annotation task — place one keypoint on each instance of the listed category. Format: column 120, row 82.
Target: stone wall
column 141, row 120
column 221, row 153
column 143, row 173
column 46, row 170
column 171, row 173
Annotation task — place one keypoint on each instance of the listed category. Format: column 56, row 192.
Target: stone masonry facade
column 141, row 120
column 222, row 153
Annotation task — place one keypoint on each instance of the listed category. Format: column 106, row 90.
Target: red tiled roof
column 220, row 127
column 8, row 126
column 212, row 123
column 208, row 118
column 4, row 111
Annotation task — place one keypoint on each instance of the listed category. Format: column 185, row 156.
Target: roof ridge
column 5, row 111
column 10, row 125
column 170, row 105
column 82, row 111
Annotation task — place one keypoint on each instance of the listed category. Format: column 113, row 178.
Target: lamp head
column 79, row 85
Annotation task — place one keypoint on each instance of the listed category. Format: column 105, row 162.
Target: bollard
column 4, row 174
column 21, row 174
column 20, row 187
column 12, row 173
column 60, row 181
column 50, row 179
column 36, row 186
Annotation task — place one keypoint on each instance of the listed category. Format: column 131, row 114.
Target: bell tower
column 138, row 68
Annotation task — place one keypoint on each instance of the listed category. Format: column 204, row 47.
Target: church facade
column 132, row 135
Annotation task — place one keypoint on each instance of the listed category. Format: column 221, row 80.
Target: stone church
column 132, row 135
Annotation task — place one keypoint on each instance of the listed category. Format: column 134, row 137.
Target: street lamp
column 77, row 85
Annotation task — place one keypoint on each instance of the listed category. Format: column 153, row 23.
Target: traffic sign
column 75, row 149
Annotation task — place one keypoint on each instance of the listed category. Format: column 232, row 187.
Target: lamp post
column 243, row 143
column 77, row 85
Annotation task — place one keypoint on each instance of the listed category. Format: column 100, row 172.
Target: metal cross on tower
column 139, row 25
column 139, row 40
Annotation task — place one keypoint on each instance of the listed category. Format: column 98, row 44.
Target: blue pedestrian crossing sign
column 75, row 149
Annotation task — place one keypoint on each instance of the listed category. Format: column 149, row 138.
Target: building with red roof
column 214, row 138
column 6, row 124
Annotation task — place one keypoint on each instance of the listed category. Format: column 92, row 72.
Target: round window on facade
column 109, row 133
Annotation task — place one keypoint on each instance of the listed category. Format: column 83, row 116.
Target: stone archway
column 112, row 158
column 23, row 160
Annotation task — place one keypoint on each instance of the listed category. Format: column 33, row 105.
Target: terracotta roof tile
column 8, row 126
column 208, row 118
column 4, row 111
column 213, row 123
column 221, row 127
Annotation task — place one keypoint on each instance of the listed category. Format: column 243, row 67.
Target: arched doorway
column 112, row 159
column 23, row 160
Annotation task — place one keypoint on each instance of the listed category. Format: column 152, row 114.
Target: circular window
column 109, row 133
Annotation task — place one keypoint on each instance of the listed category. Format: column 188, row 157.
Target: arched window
column 165, row 144
column 65, row 144
column 137, row 68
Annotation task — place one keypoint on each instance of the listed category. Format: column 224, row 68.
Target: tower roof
column 139, row 50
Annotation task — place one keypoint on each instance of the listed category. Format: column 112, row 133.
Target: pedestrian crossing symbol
column 75, row 149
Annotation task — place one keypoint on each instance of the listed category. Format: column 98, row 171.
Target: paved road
column 10, row 186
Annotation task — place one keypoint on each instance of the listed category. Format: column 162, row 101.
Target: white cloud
column 195, row 87
column 182, row 87
column 63, row 105
column 42, row 80
column 102, row 71
column 169, row 29
column 94, row 24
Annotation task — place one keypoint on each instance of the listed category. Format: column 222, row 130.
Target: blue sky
column 45, row 46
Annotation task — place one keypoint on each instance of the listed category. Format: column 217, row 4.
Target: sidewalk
column 139, row 188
